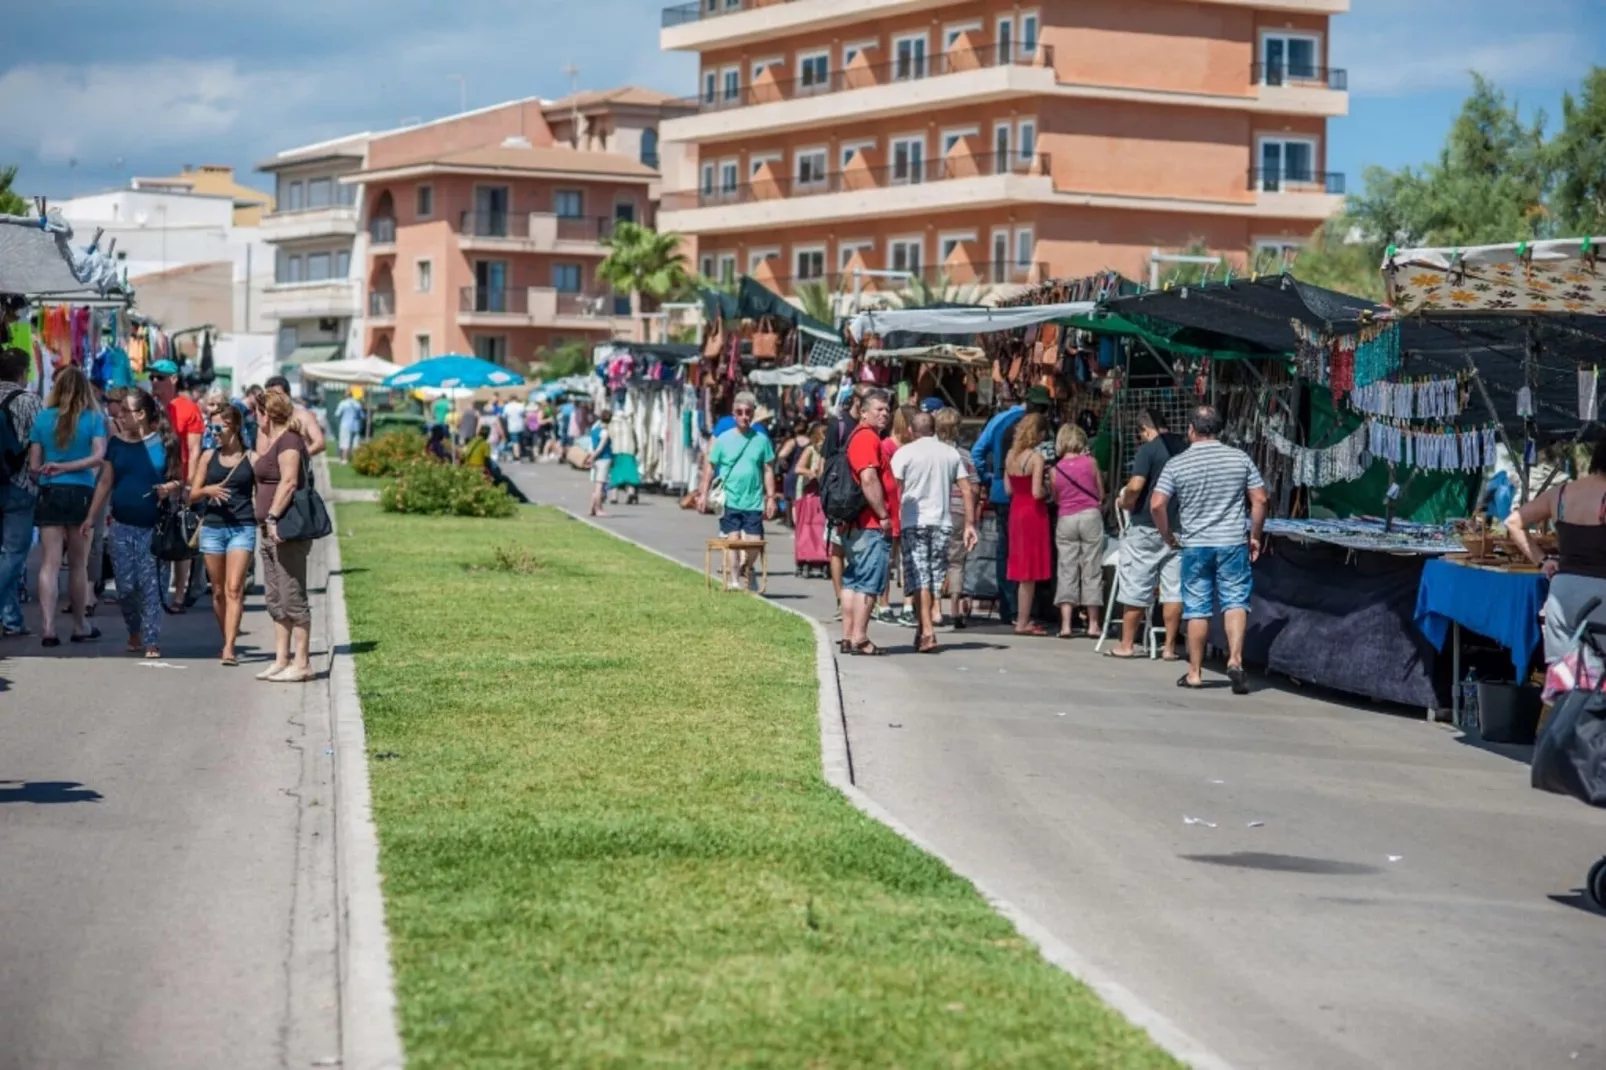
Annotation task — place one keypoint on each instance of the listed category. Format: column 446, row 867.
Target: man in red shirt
column 867, row 550
column 188, row 424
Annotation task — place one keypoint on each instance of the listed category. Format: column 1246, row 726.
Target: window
column 423, row 276
column 1025, row 245
column 845, row 251
column 566, row 278
column 1276, row 253
column 727, row 177
column 420, row 347
column 905, row 254
column 950, row 138
column 731, row 79
column 347, row 193
column 343, row 264
column 426, row 201
column 908, row 160
column 491, row 347
column 949, row 242
column 810, row 166
column 813, row 72
column 1004, row 35
column 1000, row 262
column 758, row 256
column 569, row 203
column 1028, row 34
column 710, row 86
column 808, row 263
column 762, row 65
column 318, row 267
column 951, row 32
column 909, row 58
column 705, row 266
column 707, row 186
column 1026, row 140
column 1286, row 162
column 293, row 270
column 1000, row 148
column 727, row 267
column 850, row 149
column 759, row 159
column 295, row 203
column 1289, row 57
column 732, row 5
column 852, row 50
column 649, row 147
column 287, row 340
column 320, row 193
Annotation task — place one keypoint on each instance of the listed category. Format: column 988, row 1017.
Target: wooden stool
column 722, row 544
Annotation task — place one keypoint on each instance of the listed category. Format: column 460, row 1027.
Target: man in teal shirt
column 745, row 462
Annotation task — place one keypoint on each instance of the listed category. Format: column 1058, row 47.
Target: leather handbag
column 714, row 344
column 766, row 343
column 177, row 533
column 306, row 517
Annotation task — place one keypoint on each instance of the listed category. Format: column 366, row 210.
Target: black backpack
column 840, row 494
column 13, row 450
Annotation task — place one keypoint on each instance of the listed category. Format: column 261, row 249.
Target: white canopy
column 368, row 370
column 796, row 374
column 961, row 320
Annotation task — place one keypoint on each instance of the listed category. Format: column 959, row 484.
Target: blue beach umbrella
column 452, row 372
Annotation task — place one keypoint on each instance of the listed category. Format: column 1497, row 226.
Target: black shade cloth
column 755, row 301
column 1347, row 626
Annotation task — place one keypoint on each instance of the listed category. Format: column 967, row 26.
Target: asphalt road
column 1293, row 880
column 166, row 855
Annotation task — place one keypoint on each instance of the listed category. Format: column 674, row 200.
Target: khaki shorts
column 1146, row 562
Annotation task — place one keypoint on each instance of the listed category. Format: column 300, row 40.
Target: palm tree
column 817, row 301
column 922, row 294
column 643, row 263
column 11, row 202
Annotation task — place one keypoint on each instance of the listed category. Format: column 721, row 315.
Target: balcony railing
column 1286, row 180
column 589, row 304
column 508, row 301
column 516, row 226
column 681, row 14
column 905, row 173
column 936, row 276
column 905, row 69
column 382, row 303
column 1294, row 74
column 594, row 228
column 382, row 231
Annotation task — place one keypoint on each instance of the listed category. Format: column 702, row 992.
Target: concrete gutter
column 836, row 758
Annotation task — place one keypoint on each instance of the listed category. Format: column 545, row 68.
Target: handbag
column 306, row 517
column 714, row 344
column 1569, row 755
column 716, row 489
column 176, row 535
column 766, row 343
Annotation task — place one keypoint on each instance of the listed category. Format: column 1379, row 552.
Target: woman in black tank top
column 223, row 488
column 1578, row 573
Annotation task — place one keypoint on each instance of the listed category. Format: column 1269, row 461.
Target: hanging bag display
column 766, row 343
column 714, row 344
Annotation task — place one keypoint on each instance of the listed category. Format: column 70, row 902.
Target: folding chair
column 1146, row 630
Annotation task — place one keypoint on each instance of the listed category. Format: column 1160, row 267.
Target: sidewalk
column 1358, row 889
column 167, row 836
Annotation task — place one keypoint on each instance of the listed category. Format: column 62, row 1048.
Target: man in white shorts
column 1145, row 561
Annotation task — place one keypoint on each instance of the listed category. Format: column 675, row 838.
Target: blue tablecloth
column 1501, row 605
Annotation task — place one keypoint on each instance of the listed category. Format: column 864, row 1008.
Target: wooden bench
column 722, row 544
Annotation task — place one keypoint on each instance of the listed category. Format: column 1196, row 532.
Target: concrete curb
column 368, row 1036
column 836, row 758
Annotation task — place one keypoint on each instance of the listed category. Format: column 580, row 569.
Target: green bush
column 387, row 454
column 430, row 489
column 386, row 422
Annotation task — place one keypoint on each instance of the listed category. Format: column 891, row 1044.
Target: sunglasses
column 744, row 412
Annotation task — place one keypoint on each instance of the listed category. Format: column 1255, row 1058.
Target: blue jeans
column 1007, row 591
column 867, row 557
column 16, row 539
column 1212, row 571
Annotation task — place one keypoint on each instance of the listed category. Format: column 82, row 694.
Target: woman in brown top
column 279, row 460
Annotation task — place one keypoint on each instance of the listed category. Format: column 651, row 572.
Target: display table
column 1502, row 605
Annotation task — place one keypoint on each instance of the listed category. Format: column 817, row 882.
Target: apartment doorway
column 1286, row 163
column 490, row 286
column 490, row 211
column 491, row 347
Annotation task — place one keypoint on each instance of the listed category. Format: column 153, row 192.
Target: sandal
column 152, row 654
column 50, row 641
column 225, row 660
column 1134, row 656
column 926, row 644
column 868, row 649
column 1032, row 629
column 1065, row 635
column 1182, row 681
column 844, row 647
column 88, row 637
column 1240, row 680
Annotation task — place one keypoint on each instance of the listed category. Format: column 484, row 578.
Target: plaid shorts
column 925, row 558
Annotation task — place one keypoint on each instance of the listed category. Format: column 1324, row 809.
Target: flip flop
column 1182, row 681
column 1240, row 680
column 88, row 637
column 1031, row 630
column 1134, row 656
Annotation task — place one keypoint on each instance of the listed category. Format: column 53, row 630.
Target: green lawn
column 343, row 477
column 606, row 840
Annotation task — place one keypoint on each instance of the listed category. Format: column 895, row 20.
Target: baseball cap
column 164, row 367
column 1038, row 395
column 932, row 404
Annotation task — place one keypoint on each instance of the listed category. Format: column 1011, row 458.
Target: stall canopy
column 961, row 320
column 668, row 352
column 313, row 353
column 1245, row 314
column 755, row 301
column 369, row 370
column 38, row 260
column 793, row 375
column 1550, row 277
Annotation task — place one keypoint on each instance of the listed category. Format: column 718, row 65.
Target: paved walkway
column 1358, row 889
column 166, row 854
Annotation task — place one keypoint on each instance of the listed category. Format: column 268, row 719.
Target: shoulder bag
column 177, row 533
column 306, row 517
column 716, row 489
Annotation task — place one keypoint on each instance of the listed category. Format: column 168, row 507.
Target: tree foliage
column 644, row 263
column 818, row 301
column 11, row 202
column 558, row 362
column 1579, row 157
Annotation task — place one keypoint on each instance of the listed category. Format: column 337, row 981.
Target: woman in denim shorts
column 223, row 487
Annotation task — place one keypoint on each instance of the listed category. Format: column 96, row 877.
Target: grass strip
column 606, row 841
column 344, row 477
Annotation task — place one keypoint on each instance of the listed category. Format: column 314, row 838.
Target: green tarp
column 754, row 301
column 1155, row 334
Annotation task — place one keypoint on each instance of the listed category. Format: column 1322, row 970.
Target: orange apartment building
column 478, row 233
column 998, row 142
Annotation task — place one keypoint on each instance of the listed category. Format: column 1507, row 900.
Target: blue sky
column 141, row 88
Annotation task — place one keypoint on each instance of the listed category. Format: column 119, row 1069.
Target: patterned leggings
column 139, row 592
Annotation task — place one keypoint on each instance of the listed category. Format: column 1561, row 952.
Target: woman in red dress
column 1031, row 546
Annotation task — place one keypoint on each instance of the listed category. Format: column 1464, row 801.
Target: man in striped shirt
column 1211, row 482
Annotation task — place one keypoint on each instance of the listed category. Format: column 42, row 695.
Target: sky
column 143, row 88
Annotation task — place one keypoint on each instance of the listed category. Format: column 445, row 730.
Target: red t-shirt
column 889, row 487
column 185, row 416
column 864, row 451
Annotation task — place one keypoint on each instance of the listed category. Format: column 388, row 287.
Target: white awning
column 370, row 370
column 962, row 320
column 795, row 374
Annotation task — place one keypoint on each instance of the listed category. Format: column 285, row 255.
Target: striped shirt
column 1209, row 482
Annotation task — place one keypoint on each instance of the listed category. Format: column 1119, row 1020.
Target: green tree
column 644, row 264
column 11, row 202
column 817, row 300
column 922, row 294
column 558, row 362
column 1579, row 157
column 1335, row 261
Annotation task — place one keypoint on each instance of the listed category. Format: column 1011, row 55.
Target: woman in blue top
column 600, row 460
column 65, row 449
column 143, row 467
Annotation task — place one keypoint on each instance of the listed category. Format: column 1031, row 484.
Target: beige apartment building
column 998, row 142
column 479, row 233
